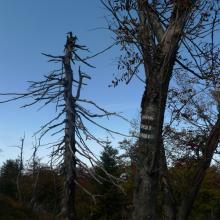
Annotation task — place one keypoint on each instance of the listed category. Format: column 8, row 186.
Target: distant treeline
column 41, row 190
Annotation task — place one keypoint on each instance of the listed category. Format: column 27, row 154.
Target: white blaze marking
column 146, row 127
column 146, row 136
column 148, row 117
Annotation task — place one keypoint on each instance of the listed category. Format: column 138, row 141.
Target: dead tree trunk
column 57, row 87
column 18, row 181
column 35, row 176
column 69, row 154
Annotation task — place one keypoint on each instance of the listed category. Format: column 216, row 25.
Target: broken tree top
column 70, row 42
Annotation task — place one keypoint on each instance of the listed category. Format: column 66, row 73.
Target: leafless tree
column 63, row 88
column 35, row 173
column 20, row 168
column 163, row 38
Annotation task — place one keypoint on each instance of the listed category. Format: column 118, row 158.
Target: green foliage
column 109, row 160
column 111, row 197
column 47, row 199
column 8, row 175
column 207, row 204
column 111, row 203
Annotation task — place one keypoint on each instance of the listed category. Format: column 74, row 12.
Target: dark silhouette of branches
column 62, row 88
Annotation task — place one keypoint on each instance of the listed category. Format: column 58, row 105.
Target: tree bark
column 69, row 154
column 158, row 68
column 147, row 177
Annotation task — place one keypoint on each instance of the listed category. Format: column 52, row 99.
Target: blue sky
column 29, row 28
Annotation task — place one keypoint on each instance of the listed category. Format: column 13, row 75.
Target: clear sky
column 29, row 28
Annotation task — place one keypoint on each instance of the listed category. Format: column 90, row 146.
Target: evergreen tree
column 109, row 159
column 8, row 175
column 110, row 202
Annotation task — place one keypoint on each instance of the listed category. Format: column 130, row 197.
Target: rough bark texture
column 147, row 178
column 69, row 159
column 158, row 69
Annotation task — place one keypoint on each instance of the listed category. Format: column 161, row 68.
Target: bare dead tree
column 63, row 88
column 35, row 173
column 163, row 37
column 20, row 168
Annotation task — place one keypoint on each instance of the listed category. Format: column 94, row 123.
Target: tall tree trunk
column 158, row 64
column 69, row 154
column 148, row 163
column 18, row 181
column 35, row 175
